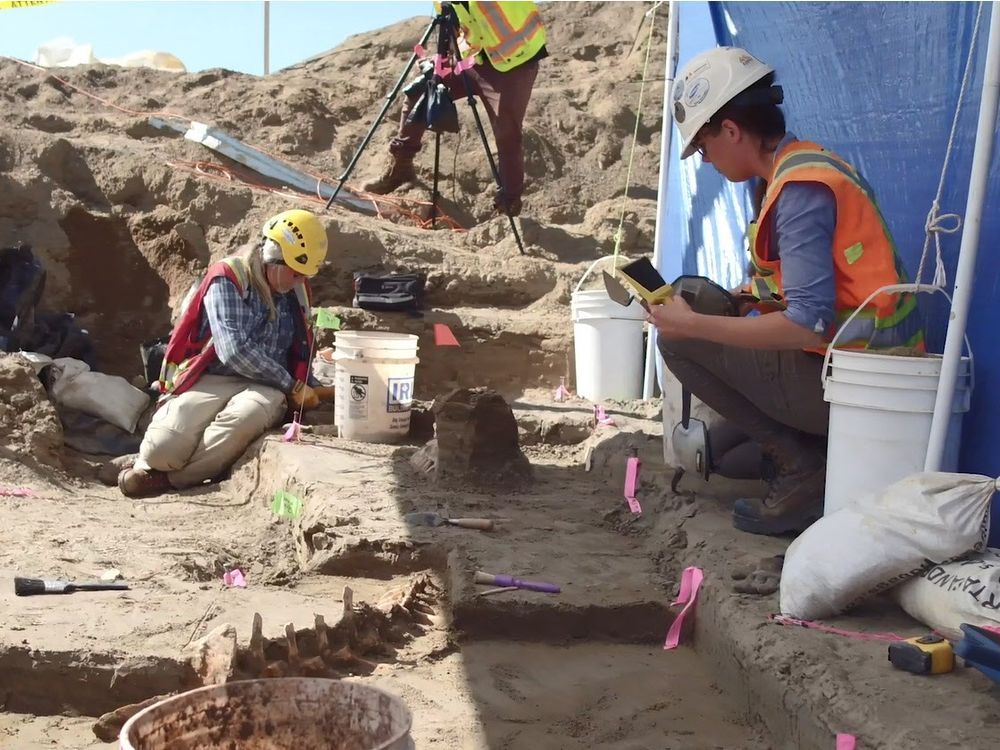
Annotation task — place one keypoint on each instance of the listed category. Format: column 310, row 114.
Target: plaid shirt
column 247, row 343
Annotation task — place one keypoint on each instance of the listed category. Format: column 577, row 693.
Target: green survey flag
column 286, row 505
column 326, row 319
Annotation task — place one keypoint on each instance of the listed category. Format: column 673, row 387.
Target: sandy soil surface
column 124, row 220
column 519, row 669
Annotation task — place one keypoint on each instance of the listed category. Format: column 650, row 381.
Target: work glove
column 303, row 397
column 324, row 393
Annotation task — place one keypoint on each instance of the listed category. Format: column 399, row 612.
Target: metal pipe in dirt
column 965, row 272
column 673, row 52
column 389, row 99
column 434, row 192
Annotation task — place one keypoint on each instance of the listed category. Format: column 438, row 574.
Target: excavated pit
column 397, row 605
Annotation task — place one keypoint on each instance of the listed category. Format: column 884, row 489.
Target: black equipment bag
column 389, row 292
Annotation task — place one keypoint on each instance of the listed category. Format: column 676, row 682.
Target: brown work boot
column 399, row 172
column 794, row 502
column 507, row 206
column 139, row 483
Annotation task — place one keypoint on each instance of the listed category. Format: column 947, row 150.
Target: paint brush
column 506, row 581
column 37, row 586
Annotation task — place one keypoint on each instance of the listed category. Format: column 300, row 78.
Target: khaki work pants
column 199, row 434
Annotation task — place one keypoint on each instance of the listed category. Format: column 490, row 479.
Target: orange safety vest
column 188, row 356
column 864, row 254
column 508, row 33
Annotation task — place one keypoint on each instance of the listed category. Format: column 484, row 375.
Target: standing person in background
column 507, row 40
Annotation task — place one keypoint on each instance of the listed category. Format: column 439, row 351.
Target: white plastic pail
column 608, row 344
column 374, row 384
column 881, row 408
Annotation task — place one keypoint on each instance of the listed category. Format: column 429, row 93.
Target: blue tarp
column 878, row 83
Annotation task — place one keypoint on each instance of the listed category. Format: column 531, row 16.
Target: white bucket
column 374, row 384
column 881, row 408
column 608, row 344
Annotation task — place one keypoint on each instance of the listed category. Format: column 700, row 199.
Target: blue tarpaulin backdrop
column 878, row 83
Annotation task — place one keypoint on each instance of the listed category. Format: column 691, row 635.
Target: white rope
column 935, row 224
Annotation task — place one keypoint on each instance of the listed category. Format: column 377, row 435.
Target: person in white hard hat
column 819, row 247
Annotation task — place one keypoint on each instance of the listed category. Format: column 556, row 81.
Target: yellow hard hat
column 301, row 237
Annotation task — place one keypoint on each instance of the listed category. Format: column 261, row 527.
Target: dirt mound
column 30, row 431
column 125, row 215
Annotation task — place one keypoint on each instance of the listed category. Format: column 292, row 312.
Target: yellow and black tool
column 646, row 281
column 928, row 654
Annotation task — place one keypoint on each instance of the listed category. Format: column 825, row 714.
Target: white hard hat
column 707, row 83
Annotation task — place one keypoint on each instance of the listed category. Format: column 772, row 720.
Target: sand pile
column 30, row 430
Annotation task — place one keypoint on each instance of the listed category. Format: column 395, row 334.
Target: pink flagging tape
column 855, row 634
column 631, row 483
column 234, row 578
column 292, row 433
column 601, row 416
column 688, row 596
column 465, row 64
column 846, row 742
column 562, row 393
column 16, row 492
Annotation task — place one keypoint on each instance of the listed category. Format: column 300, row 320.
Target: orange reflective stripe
column 508, row 39
column 496, row 18
column 531, row 27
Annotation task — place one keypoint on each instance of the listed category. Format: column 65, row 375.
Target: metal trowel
column 618, row 293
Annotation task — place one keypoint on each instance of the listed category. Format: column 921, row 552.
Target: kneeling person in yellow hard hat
column 238, row 352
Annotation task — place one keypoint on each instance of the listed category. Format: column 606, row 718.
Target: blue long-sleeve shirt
column 805, row 215
column 247, row 342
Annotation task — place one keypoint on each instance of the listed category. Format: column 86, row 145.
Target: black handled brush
column 36, row 586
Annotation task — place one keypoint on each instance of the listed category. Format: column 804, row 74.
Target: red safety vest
column 188, row 356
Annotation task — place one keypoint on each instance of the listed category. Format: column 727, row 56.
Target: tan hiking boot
column 398, row 173
column 794, row 502
column 139, row 483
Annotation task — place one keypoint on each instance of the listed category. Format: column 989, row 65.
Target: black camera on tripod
column 435, row 108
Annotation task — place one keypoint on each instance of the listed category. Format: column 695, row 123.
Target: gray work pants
column 776, row 397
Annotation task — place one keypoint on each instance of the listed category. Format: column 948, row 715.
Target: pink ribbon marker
column 690, row 583
column 234, row 578
column 16, row 492
column 292, row 433
column 601, row 416
column 846, row 742
column 631, row 482
column 562, row 392
column 855, row 634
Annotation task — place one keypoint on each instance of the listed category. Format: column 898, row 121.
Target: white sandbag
column 875, row 543
column 944, row 596
column 109, row 397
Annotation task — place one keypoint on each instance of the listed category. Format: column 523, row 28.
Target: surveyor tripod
column 447, row 26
